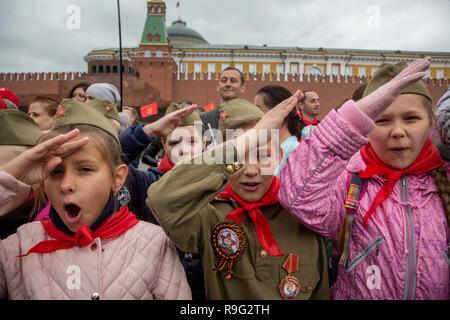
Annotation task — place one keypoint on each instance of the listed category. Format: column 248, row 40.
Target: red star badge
column 61, row 113
column 223, row 115
column 107, row 108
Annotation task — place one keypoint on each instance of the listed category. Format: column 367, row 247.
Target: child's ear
column 120, row 175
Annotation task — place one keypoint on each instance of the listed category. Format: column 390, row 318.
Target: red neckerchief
column 165, row 164
column 118, row 223
column 428, row 159
column 31, row 197
column 263, row 232
column 314, row 122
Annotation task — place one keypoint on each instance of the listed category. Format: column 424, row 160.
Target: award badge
column 229, row 243
column 290, row 286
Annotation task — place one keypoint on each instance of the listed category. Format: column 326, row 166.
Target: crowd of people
column 251, row 200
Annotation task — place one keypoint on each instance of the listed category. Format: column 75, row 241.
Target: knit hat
column 104, row 91
column 18, row 129
column 8, row 94
column 234, row 108
column 2, row 104
column 189, row 121
column 74, row 112
column 388, row 71
column 107, row 107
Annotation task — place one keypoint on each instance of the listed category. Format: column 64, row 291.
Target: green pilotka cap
column 235, row 108
column 108, row 108
column 189, row 121
column 387, row 72
column 71, row 111
column 18, row 129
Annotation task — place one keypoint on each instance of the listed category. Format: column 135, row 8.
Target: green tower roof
column 154, row 30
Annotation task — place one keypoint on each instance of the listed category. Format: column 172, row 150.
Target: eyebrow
column 84, row 161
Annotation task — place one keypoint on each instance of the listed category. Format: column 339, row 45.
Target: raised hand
column 273, row 119
column 35, row 165
column 165, row 126
column 378, row 101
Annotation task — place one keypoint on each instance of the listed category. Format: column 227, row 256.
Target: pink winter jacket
column 404, row 251
column 139, row 264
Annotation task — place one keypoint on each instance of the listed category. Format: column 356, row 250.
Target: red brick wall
column 196, row 88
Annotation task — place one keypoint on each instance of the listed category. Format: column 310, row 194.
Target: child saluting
column 92, row 247
column 227, row 211
column 391, row 227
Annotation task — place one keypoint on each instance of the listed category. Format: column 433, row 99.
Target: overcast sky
column 49, row 35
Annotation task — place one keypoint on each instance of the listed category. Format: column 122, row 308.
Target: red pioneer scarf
column 165, row 164
column 115, row 225
column 314, row 122
column 263, row 232
column 428, row 159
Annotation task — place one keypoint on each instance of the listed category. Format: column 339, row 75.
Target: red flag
column 149, row 110
column 209, row 106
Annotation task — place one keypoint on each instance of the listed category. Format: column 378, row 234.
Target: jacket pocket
column 362, row 255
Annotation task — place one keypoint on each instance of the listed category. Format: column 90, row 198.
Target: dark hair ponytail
column 440, row 179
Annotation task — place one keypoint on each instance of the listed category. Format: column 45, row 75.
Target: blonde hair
column 108, row 145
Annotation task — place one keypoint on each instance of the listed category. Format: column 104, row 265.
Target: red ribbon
column 428, row 159
column 263, row 231
column 116, row 224
column 165, row 164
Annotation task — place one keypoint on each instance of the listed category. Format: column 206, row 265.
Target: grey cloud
column 35, row 37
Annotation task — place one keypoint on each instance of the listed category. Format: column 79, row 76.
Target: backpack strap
column 356, row 189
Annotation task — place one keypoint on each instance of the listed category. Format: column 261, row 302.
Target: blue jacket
column 134, row 141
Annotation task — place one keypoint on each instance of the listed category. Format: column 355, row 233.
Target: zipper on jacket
column 361, row 256
column 410, row 285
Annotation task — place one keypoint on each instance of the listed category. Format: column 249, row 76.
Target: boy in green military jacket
column 251, row 248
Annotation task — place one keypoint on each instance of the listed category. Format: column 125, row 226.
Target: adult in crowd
column 230, row 86
column 309, row 108
column 78, row 92
column 42, row 110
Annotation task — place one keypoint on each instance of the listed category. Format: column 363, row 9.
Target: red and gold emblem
column 290, row 286
column 229, row 243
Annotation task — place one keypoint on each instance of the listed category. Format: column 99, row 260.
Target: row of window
column 109, row 69
column 280, row 68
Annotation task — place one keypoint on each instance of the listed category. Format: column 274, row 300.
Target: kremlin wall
column 175, row 63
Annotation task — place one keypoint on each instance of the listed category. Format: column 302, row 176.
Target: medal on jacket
column 229, row 243
column 290, row 286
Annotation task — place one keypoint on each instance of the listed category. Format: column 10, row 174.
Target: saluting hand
column 165, row 126
column 378, row 101
column 273, row 119
column 35, row 165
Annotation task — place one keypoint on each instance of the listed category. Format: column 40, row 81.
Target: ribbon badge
column 290, row 286
column 229, row 242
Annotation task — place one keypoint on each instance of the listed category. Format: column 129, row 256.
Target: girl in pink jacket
column 392, row 228
column 92, row 247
